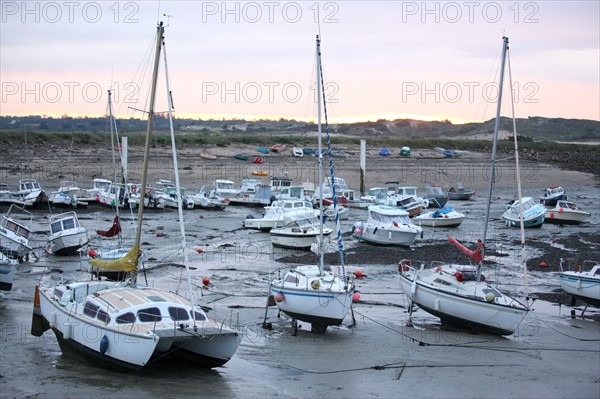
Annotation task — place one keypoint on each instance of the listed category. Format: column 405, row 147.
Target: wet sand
column 551, row 355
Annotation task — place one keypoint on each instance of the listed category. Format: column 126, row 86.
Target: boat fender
column 551, row 215
column 315, row 284
column 560, row 210
column 67, row 331
column 279, row 297
column 104, row 344
column 375, row 230
column 489, row 297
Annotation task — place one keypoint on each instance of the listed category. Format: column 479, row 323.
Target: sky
column 431, row 60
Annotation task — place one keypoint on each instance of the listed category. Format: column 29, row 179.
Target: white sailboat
column 310, row 293
column 134, row 324
column 459, row 294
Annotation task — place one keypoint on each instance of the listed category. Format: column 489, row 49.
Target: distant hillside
column 535, row 128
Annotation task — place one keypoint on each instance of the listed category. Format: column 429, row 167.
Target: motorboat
column 443, row 217
column 98, row 185
column 552, row 194
column 225, row 189
column 207, row 198
column 460, row 193
column 252, row 192
column 301, row 230
column 436, row 196
column 565, row 212
column 30, row 192
column 533, row 214
column 275, row 214
column 8, row 269
column 583, row 282
column 15, row 232
column 387, row 225
column 67, row 235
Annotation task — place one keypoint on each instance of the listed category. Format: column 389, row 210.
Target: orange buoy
column 279, row 297
column 356, row 296
column 543, row 264
column 92, row 253
column 358, row 274
column 205, row 281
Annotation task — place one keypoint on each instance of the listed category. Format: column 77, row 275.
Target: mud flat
column 551, row 355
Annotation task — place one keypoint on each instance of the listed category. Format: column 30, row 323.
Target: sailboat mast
column 320, row 146
column 113, row 127
column 186, row 260
column 138, row 233
column 518, row 171
column 494, row 145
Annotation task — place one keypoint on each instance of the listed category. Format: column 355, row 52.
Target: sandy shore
column 51, row 165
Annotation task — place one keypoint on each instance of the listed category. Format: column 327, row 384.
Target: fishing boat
column 582, row 283
column 405, row 151
column 252, row 192
column 444, row 217
column 15, row 232
column 98, row 185
column 30, row 192
column 387, row 225
column 459, row 294
column 565, row 212
column 552, row 194
column 207, row 198
column 225, row 189
column 134, row 324
column 533, row 213
column 384, row 152
column 460, row 193
column 8, row 269
column 436, row 196
column 66, row 194
column 67, row 235
column 301, row 230
column 276, row 213
column 309, row 293
column 278, row 147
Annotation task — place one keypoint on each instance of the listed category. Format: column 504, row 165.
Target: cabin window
column 126, row 318
column 198, row 316
column 56, row 227
column 178, row 313
column 291, row 279
column 103, row 316
column 69, row 223
column 597, row 272
column 90, row 309
column 58, row 293
column 149, row 314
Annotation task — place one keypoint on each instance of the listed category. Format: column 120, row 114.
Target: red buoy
column 92, row 253
column 200, row 250
column 205, row 281
column 158, row 234
column 543, row 264
column 358, row 274
column 356, row 296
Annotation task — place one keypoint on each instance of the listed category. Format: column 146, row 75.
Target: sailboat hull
column 501, row 317
column 68, row 242
column 585, row 288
